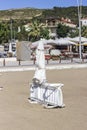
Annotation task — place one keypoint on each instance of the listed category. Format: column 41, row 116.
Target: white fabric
column 40, row 90
column 47, row 94
column 35, row 44
column 76, row 39
column 40, row 73
column 55, row 52
column 10, row 47
column 64, row 41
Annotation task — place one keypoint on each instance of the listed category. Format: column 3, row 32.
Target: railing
column 65, row 58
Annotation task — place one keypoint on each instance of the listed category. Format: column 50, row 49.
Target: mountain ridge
column 30, row 12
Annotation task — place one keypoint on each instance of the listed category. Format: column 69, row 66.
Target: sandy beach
column 16, row 113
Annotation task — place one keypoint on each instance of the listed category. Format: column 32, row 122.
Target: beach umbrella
column 40, row 73
column 47, row 43
column 76, row 39
column 84, row 43
column 51, row 41
column 35, row 44
column 64, row 41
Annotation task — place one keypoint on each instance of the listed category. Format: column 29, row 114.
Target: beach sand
column 16, row 113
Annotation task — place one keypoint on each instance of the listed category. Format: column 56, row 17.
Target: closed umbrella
column 40, row 73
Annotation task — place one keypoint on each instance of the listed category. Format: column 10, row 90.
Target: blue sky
column 9, row 4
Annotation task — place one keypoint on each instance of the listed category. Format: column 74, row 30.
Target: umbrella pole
column 79, row 16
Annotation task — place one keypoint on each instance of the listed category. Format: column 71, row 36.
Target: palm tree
column 34, row 33
column 37, row 30
column 84, row 31
column 4, row 33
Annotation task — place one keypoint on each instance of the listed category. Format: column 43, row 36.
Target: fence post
column 34, row 61
column 19, row 62
column 4, row 62
column 60, row 59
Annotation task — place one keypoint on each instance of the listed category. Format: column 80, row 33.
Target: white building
column 27, row 27
column 84, row 22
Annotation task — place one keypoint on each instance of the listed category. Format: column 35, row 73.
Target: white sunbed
column 48, row 94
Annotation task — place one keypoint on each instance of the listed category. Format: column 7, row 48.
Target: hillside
column 28, row 13
column 25, row 13
column 69, row 12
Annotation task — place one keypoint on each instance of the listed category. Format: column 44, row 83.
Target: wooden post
column 19, row 62
column 4, row 62
column 34, row 61
column 60, row 59
column 47, row 61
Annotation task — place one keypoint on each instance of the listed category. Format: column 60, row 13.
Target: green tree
column 84, row 31
column 34, row 33
column 4, row 33
column 62, row 30
column 37, row 30
column 74, row 32
column 44, row 33
column 22, row 35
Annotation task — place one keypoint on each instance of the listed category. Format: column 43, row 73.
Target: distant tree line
column 9, row 30
column 65, row 12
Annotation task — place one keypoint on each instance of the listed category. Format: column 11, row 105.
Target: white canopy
column 45, row 42
column 61, row 41
column 64, row 41
column 51, row 41
column 35, row 44
column 84, row 43
column 76, row 39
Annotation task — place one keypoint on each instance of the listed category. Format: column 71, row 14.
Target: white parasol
column 40, row 73
column 64, row 41
column 35, row 44
column 45, row 42
column 76, row 39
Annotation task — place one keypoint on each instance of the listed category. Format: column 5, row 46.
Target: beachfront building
column 67, row 22
column 27, row 27
column 84, row 21
column 52, row 23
